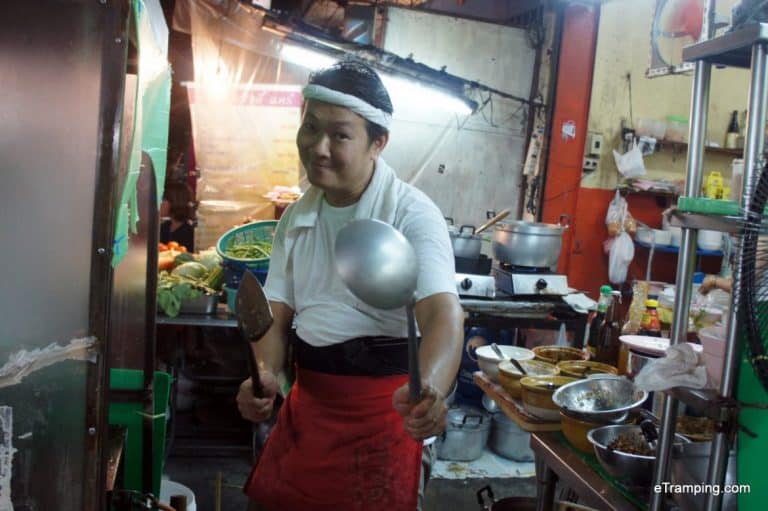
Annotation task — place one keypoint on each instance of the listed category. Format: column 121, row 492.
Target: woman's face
column 335, row 151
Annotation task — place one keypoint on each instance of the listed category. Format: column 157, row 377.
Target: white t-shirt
column 326, row 311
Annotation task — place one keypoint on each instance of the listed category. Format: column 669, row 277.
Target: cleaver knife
column 254, row 318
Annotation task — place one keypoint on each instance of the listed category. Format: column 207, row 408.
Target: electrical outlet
column 595, row 144
column 590, row 164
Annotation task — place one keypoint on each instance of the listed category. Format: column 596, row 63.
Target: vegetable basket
column 251, row 233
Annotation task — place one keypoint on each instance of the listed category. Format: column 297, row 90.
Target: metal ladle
column 379, row 266
column 515, row 363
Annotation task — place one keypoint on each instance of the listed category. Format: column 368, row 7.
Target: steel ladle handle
column 414, row 374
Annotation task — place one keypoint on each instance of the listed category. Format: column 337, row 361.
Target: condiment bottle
column 650, row 324
column 596, row 319
column 608, row 338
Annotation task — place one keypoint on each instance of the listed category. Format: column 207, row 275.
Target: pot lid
column 521, row 226
column 468, row 418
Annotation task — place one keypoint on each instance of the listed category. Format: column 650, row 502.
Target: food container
column 205, row 304
column 709, row 240
column 576, row 429
column 554, row 354
column 537, row 395
column 584, row 368
column 509, row 377
column 465, row 435
column 466, row 243
column 605, row 398
column 508, row 440
column 488, row 361
column 635, row 470
column 653, row 236
column 713, row 340
column 677, row 129
column 651, row 128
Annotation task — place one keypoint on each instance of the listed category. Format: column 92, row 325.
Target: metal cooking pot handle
column 461, row 229
column 490, row 214
column 564, row 218
column 448, row 220
column 472, row 416
column 481, row 497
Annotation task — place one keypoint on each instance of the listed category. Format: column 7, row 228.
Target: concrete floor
column 201, row 476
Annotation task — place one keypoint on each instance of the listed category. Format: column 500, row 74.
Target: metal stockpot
column 465, row 435
column 466, row 243
column 529, row 244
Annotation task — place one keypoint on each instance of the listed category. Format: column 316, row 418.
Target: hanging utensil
column 492, row 221
column 514, row 362
column 379, row 266
column 254, row 318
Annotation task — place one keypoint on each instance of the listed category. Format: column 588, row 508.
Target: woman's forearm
column 441, row 321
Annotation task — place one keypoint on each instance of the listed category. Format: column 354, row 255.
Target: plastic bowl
column 555, row 354
column 584, row 368
column 489, row 361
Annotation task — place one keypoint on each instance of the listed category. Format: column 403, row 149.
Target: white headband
column 357, row 105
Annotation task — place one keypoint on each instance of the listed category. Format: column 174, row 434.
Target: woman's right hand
column 253, row 408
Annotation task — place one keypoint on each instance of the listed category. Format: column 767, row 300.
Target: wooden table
column 555, row 460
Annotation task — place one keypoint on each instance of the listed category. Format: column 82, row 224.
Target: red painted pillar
column 569, row 121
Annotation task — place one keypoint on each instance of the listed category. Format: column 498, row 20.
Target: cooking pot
column 466, row 243
column 465, row 435
column 529, row 244
column 505, row 504
column 508, row 440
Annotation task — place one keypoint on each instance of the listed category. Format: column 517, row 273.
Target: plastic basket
column 263, row 230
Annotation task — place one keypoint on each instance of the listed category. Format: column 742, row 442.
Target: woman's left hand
column 424, row 418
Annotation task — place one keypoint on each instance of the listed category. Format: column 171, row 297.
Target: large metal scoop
column 254, row 318
column 378, row 264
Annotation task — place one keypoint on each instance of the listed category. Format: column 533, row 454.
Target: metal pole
column 686, row 258
column 753, row 149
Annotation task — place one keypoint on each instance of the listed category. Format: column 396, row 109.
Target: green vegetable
column 215, row 279
column 184, row 257
column 171, row 293
column 210, row 259
column 191, row 270
column 256, row 250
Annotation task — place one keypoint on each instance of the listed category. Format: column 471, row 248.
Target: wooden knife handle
column 257, row 387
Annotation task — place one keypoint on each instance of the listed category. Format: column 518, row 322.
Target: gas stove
column 470, row 285
column 527, row 281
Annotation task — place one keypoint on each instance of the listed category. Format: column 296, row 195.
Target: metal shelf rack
column 745, row 47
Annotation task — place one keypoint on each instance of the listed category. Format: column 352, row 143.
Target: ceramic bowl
column 509, row 377
column 537, row 395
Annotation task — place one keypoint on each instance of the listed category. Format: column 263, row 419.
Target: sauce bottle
column 650, row 324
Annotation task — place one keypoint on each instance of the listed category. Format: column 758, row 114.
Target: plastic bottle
column 610, row 330
column 593, row 327
column 650, row 324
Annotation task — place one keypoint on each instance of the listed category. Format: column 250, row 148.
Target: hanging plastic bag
column 621, row 254
column 622, row 249
column 630, row 164
column 618, row 216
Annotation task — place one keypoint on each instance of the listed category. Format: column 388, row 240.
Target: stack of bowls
column 537, row 394
column 510, row 377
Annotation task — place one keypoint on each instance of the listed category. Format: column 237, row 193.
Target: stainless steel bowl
column 634, row 470
column 602, row 398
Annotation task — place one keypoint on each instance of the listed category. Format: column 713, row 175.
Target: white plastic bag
column 681, row 367
column 630, row 164
column 621, row 254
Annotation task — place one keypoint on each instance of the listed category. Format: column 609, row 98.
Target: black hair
column 181, row 199
column 359, row 80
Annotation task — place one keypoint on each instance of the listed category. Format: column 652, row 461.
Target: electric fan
column 752, row 285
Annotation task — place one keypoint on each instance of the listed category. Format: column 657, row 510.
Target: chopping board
column 513, row 408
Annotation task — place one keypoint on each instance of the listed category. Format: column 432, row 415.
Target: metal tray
column 205, row 304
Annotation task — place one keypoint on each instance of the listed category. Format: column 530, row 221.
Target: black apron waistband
column 362, row 356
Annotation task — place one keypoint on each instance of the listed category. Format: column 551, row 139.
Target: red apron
column 338, row 445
